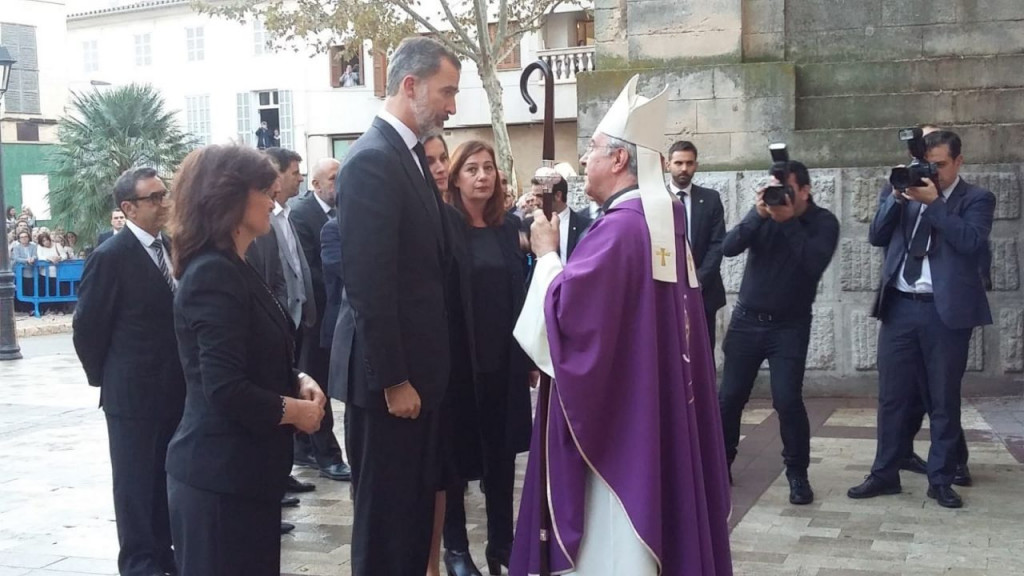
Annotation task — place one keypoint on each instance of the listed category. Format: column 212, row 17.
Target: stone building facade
column 835, row 80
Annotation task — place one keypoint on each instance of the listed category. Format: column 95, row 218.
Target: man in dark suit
column 124, row 337
column 116, row 225
column 308, row 216
column 705, row 227
column 390, row 358
column 930, row 300
column 579, row 222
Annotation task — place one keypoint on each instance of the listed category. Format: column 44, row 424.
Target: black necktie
column 332, row 213
column 918, row 250
column 158, row 248
column 686, row 215
column 421, row 155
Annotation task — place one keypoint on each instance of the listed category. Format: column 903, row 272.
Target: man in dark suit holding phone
column 931, row 298
column 390, row 359
column 124, row 337
column 705, row 227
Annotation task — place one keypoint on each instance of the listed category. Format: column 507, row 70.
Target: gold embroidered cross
column 664, row 254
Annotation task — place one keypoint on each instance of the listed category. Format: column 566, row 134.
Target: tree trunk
column 502, row 143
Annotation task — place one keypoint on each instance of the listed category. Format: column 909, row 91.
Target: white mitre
column 641, row 121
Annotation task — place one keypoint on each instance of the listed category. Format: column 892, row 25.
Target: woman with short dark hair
column 230, row 457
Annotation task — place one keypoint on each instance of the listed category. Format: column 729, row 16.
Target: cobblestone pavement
column 56, row 515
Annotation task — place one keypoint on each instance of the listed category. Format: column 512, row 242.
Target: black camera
column 775, row 195
column 903, row 177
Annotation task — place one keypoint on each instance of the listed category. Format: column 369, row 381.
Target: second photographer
column 790, row 241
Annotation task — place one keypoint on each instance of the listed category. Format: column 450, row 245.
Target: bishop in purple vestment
column 633, row 411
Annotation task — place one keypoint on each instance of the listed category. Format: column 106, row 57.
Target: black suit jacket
column 393, row 259
column 236, row 347
column 707, row 222
column 308, row 219
column 124, row 332
column 330, row 260
column 104, row 236
column 961, row 226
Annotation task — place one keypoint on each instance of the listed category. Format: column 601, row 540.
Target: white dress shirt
column 281, row 214
column 146, row 239
column 687, row 199
column 408, row 136
column 323, row 205
column 924, row 283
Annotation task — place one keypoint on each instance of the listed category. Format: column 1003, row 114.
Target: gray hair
column 630, row 148
column 419, row 57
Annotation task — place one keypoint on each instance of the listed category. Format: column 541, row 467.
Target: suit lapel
column 274, row 309
column 141, row 256
column 423, row 191
column 696, row 213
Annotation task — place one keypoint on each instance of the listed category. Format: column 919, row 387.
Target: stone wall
column 835, row 79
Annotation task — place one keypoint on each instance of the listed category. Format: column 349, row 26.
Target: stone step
column 901, row 76
column 963, row 107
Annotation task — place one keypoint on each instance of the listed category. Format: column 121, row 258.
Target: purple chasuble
column 634, row 399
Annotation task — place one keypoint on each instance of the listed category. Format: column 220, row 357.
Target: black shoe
column 460, row 564
column 962, row 475
column 339, row 471
column 294, row 485
column 915, row 464
column 496, row 558
column 305, row 460
column 289, row 502
column 800, row 492
column 871, row 487
column 286, row 527
column 945, row 496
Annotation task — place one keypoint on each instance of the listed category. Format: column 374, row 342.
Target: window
column 346, row 67
column 28, row 132
column 194, row 43
column 585, row 32
column 514, row 59
column 143, row 50
column 197, row 118
column 90, row 56
column 260, row 45
column 23, row 90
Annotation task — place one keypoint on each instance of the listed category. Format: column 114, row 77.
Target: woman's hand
column 310, row 390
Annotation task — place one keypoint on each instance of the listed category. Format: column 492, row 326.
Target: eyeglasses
column 155, row 198
column 591, row 147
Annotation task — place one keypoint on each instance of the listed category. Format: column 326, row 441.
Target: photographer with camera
column 790, row 241
column 930, row 300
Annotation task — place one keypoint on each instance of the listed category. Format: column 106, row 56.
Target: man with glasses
column 124, row 337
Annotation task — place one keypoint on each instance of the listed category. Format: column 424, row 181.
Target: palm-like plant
column 104, row 134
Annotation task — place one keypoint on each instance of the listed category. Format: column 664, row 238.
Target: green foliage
column 104, row 134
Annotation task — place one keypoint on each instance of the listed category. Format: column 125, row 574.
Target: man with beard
column 705, row 227
column 390, row 355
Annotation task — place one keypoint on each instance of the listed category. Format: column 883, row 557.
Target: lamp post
column 9, row 349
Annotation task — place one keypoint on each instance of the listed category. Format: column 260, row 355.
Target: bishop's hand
column 544, row 237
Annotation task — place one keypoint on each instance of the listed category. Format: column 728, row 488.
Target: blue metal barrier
column 42, row 289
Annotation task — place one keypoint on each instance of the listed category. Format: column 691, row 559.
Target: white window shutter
column 285, row 118
column 244, row 107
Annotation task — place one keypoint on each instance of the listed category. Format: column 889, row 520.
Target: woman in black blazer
column 230, row 457
column 488, row 397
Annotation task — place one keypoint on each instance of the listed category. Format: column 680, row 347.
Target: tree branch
column 440, row 36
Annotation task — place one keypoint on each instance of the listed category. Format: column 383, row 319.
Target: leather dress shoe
column 915, row 464
column 496, row 558
column 286, row 527
column 294, row 485
column 306, row 460
column 871, row 487
column 339, row 471
column 962, row 475
column 800, row 492
column 460, row 564
column 945, row 496
column 289, row 502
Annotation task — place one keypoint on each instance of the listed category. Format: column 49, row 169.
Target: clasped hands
column 306, row 411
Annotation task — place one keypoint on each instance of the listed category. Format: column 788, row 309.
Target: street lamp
column 9, row 349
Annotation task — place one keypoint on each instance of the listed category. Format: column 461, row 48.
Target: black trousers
column 499, row 470
column 322, row 445
column 913, row 342
column 751, row 339
column 915, row 419
column 710, row 315
column 138, row 450
column 396, row 468
column 224, row 534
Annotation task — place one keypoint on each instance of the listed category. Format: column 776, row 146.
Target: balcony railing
column 566, row 63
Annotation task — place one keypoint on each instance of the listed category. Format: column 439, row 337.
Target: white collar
column 627, row 196
column 676, row 189
column 946, row 193
column 564, row 214
column 323, row 205
column 278, row 209
column 145, row 237
column 408, row 136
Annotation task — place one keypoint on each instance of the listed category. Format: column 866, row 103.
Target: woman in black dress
column 230, row 457
column 489, row 398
